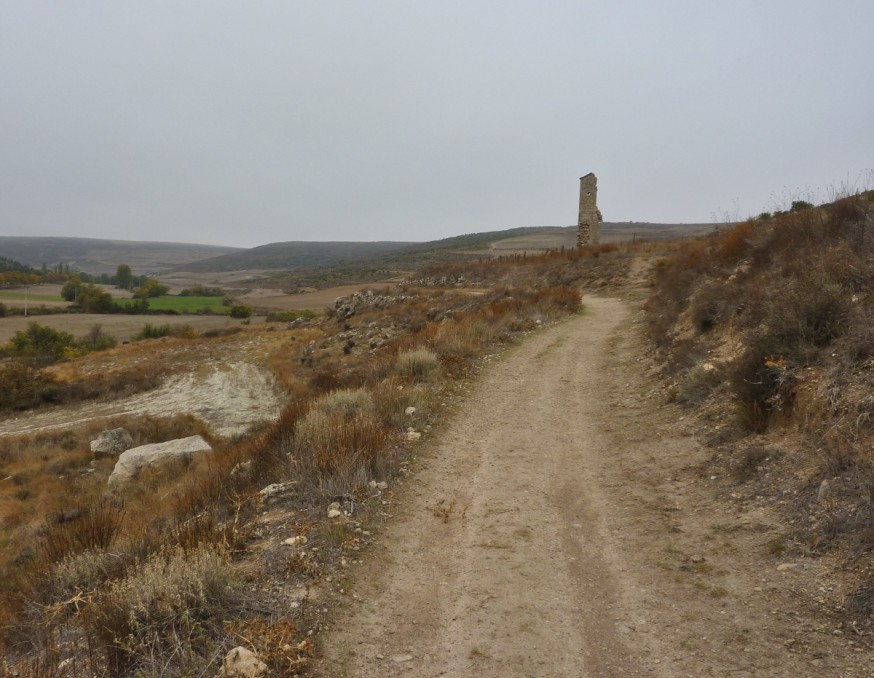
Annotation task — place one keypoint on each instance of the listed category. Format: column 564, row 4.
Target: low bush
column 697, row 384
column 418, row 365
column 289, row 316
column 240, row 311
column 23, row 387
column 91, row 528
column 150, row 331
column 161, row 609
column 336, row 450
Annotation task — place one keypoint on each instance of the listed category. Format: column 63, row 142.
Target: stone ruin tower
column 590, row 216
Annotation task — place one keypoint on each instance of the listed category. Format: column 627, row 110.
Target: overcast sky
column 243, row 123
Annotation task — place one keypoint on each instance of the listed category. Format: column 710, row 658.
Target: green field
column 18, row 295
column 187, row 304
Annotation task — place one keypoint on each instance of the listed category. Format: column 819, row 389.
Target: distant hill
column 378, row 259
column 93, row 255
column 300, row 255
column 295, row 255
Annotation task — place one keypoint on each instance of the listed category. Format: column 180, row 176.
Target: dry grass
column 788, row 302
column 143, row 578
column 418, row 365
column 336, row 452
column 161, row 608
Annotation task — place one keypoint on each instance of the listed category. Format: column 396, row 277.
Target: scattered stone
column 697, row 559
column 334, row 510
column 380, row 485
column 243, row 663
column 111, row 442
column 410, row 411
column 400, row 658
column 412, row 434
column 783, row 567
column 156, row 456
column 277, row 491
column 299, row 540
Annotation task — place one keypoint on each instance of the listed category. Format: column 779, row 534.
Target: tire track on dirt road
column 511, row 570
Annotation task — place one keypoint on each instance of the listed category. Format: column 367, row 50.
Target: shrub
column 92, row 299
column 707, row 305
column 348, row 402
column 335, row 451
column 812, row 312
column 92, row 528
column 161, row 607
column 391, row 400
column 289, row 316
column 733, row 243
column 41, row 344
column 201, row 291
column 150, row 331
column 417, row 365
column 697, row 384
column 240, row 311
column 151, row 288
column 98, row 340
column 799, row 205
column 83, row 573
column 23, row 387
column 763, row 382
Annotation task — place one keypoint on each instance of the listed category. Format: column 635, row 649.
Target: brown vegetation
column 152, row 580
column 772, row 320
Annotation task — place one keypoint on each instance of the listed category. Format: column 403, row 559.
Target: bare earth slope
column 560, row 527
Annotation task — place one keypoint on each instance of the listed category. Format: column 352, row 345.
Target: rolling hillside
column 96, row 256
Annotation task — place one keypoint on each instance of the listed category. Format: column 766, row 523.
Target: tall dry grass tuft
column 418, row 365
column 162, row 609
column 337, row 449
column 94, row 528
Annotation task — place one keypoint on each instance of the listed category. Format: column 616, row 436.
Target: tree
column 92, row 299
column 241, row 311
column 70, row 290
column 124, row 277
column 151, row 288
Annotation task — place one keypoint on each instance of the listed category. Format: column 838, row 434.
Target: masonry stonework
column 589, row 232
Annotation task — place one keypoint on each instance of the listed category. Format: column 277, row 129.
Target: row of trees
column 93, row 299
column 14, row 273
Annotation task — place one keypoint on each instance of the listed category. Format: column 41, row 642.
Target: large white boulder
column 156, row 456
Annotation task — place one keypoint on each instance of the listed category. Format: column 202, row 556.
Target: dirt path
column 561, row 527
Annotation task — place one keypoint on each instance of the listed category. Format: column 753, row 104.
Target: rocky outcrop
column 111, row 442
column 156, row 456
column 346, row 307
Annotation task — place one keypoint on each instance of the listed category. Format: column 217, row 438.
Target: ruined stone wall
column 590, row 216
